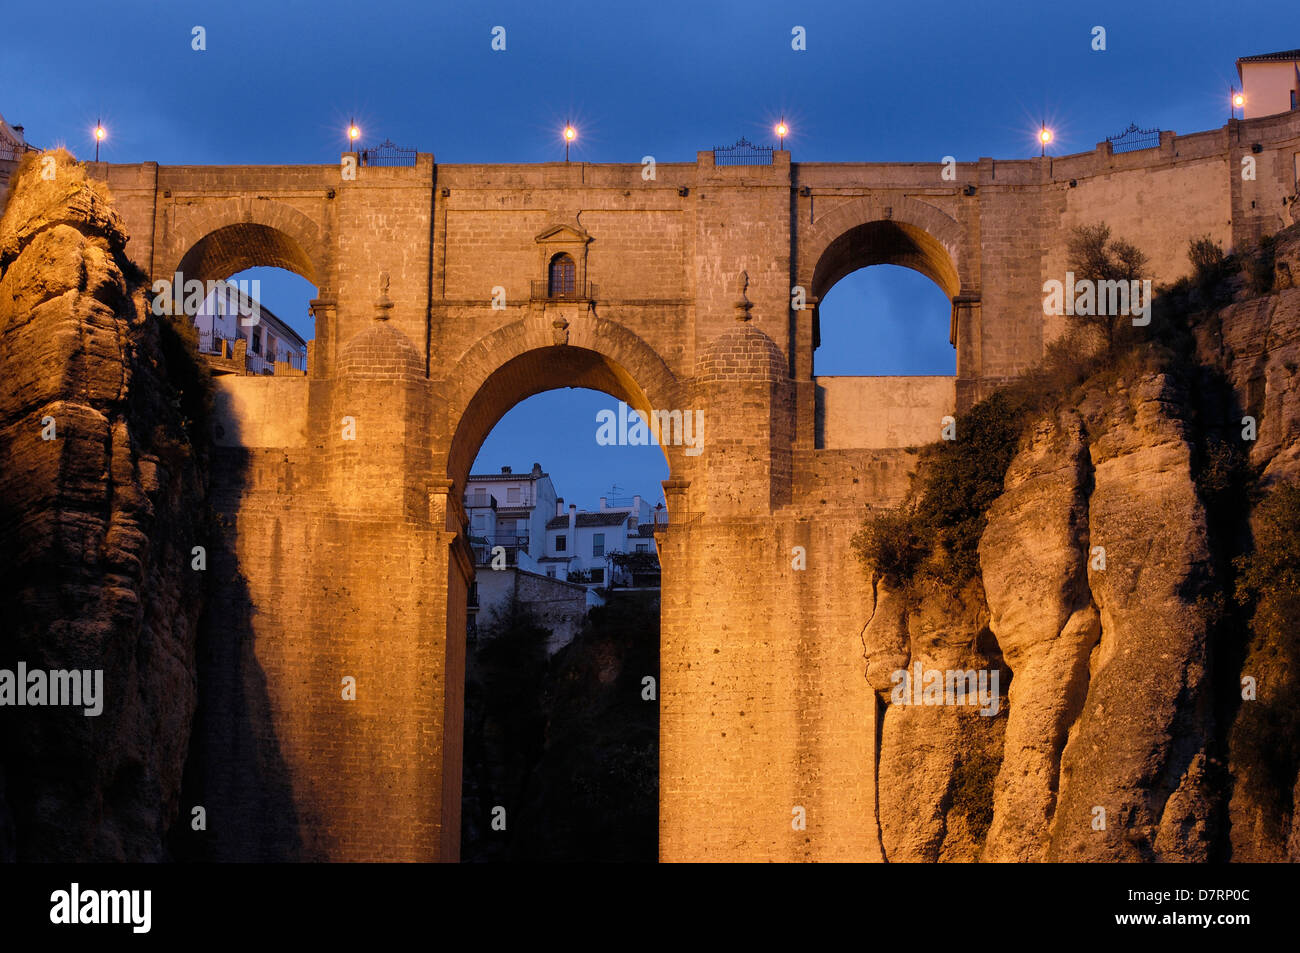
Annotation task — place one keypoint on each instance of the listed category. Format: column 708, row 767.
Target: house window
column 512, row 494
column 560, row 543
column 643, row 547
column 598, row 575
column 257, row 342
column 480, row 496
column 550, row 571
column 598, row 544
column 563, row 277
column 270, row 346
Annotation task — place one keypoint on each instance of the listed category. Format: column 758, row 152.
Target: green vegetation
column 934, row 536
column 1095, row 256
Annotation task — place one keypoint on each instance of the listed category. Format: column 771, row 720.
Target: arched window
column 563, row 278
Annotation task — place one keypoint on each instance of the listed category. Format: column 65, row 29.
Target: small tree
column 1094, row 256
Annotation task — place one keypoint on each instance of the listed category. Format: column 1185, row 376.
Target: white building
column 509, row 510
column 583, row 543
column 1270, row 82
column 227, row 316
column 12, row 147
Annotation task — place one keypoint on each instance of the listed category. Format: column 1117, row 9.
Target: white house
column 228, row 316
column 582, row 543
column 510, row 510
column 1270, row 83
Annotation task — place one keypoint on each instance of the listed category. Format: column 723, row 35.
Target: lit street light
column 100, row 133
column 782, row 130
column 1044, row 137
column 569, row 135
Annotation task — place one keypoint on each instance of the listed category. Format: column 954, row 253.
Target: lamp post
column 100, row 133
column 1238, row 102
column 782, row 130
column 569, row 135
column 354, row 133
column 1044, row 137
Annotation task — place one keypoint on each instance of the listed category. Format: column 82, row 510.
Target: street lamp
column 1238, row 102
column 1044, row 137
column 100, row 133
column 354, row 134
column 569, row 135
column 782, row 130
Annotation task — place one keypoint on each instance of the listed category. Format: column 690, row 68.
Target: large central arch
column 527, row 357
column 545, row 351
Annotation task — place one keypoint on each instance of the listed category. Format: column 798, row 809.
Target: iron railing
column 1134, row 139
column 483, row 547
column 579, row 291
column 212, row 343
column 743, row 152
column 388, row 153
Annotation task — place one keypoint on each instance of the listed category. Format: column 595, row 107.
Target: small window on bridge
column 563, row 278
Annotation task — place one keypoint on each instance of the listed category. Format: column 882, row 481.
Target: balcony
column 484, row 545
column 570, row 291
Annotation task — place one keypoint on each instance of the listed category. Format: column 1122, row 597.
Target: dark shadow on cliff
column 235, row 770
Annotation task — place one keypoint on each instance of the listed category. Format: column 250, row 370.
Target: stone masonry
column 345, row 553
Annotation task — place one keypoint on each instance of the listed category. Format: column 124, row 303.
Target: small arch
column 893, row 230
column 562, row 276
column 235, row 248
column 212, row 241
column 885, row 243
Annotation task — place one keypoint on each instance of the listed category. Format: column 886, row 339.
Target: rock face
column 1034, row 556
column 1138, row 749
column 937, row 762
column 101, row 502
column 1106, row 567
column 1256, row 344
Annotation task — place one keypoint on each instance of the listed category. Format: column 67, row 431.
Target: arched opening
column 254, row 316
column 562, row 277
column 884, row 320
column 562, row 612
column 883, row 358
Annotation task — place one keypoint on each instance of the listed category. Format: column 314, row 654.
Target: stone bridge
column 348, row 557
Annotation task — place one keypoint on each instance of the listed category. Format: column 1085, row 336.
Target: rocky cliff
column 1104, row 597
column 101, row 503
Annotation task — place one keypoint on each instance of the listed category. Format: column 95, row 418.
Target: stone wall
column 880, row 412
column 344, row 555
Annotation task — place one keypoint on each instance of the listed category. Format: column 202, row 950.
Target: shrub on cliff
column 1094, row 256
column 937, row 534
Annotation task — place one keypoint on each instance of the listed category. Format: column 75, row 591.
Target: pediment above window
column 564, row 235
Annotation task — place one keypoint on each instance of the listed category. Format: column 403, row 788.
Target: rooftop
column 1267, row 57
column 589, row 519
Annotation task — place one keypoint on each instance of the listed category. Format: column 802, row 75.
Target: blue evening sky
column 279, row 81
